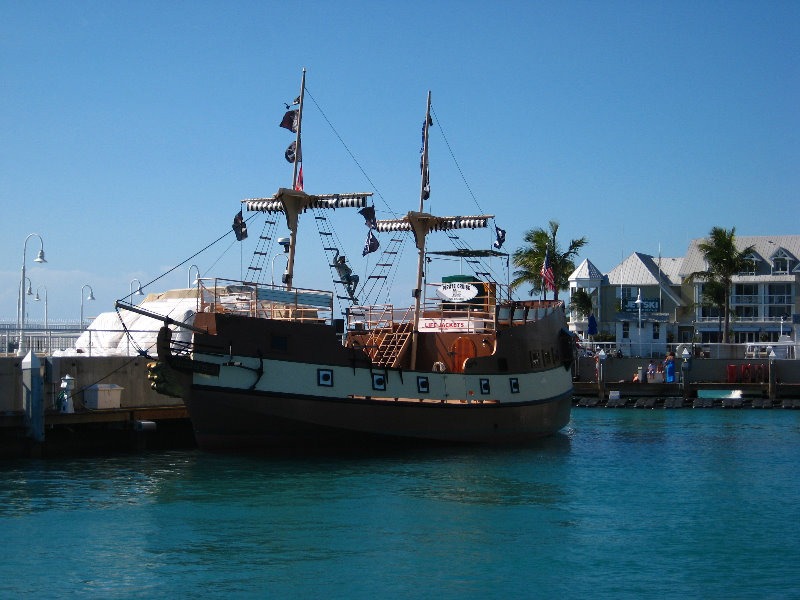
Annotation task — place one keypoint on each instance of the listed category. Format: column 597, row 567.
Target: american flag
column 299, row 184
column 547, row 272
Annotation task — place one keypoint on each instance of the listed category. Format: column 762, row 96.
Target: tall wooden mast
column 298, row 150
column 297, row 158
column 421, row 238
column 424, row 163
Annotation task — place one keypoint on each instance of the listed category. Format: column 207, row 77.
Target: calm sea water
column 624, row 504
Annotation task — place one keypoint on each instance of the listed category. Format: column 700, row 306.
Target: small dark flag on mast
column 292, row 154
column 239, row 227
column 501, row 237
column 371, row 244
column 289, row 120
column 368, row 212
column 430, row 124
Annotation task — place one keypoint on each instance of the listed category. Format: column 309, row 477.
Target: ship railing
column 264, row 301
column 377, row 317
column 438, row 315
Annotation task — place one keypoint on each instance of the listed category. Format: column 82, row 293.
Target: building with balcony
column 646, row 302
column 764, row 298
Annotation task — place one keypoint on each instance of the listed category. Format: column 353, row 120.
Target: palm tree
column 724, row 261
column 581, row 302
column 713, row 294
column 529, row 259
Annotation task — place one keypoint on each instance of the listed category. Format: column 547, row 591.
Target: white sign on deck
column 457, row 291
column 465, row 324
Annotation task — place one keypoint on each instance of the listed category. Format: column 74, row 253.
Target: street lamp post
column 89, row 297
column 138, row 291
column 197, row 280
column 46, row 326
column 21, row 304
column 601, row 376
column 639, row 304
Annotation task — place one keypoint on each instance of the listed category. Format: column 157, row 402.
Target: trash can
column 733, row 375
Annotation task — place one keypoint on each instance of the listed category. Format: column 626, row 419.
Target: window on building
column 656, row 331
column 774, row 313
column 746, row 313
column 779, row 300
column 781, row 262
column 626, row 330
column 709, row 312
column 744, row 337
column 745, row 289
column 779, row 293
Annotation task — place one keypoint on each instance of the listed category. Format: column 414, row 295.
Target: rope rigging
column 263, row 249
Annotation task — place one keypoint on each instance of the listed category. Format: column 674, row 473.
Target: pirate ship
column 269, row 365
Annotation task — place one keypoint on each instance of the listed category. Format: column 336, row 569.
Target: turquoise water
column 624, row 504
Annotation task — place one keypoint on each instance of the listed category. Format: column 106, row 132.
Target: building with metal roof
column 646, row 302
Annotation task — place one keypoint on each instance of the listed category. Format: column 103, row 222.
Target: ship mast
column 292, row 202
column 297, row 158
column 424, row 192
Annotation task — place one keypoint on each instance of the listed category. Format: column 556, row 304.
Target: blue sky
column 132, row 130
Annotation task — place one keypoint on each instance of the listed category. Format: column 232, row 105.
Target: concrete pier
column 34, row 420
column 763, row 383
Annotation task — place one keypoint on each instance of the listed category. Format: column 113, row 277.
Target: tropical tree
column 581, row 302
column 529, row 260
column 724, row 261
column 712, row 294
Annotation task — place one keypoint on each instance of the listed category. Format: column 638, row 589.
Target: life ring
column 439, row 367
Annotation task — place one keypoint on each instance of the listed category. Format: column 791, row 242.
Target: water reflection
column 461, row 474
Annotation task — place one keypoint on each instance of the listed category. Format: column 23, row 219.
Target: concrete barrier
column 125, row 372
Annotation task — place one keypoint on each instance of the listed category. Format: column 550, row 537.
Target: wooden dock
column 98, row 432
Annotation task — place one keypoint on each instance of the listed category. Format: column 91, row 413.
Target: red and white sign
column 439, row 325
column 457, row 291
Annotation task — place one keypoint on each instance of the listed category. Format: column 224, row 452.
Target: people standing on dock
column 669, row 368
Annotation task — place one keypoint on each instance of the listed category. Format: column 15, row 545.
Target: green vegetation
column 724, row 261
column 581, row 302
column 529, row 259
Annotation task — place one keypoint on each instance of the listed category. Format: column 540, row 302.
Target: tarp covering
column 106, row 335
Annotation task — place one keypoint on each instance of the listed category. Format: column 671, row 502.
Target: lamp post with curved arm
column 138, row 291
column 89, row 297
column 21, row 304
column 46, row 326
column 197, row 280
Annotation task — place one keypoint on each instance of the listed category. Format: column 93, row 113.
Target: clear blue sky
column 131, row 130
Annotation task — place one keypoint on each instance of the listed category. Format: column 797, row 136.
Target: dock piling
column 32, row 393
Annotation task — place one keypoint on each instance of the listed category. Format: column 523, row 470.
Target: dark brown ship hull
column 238, row 419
